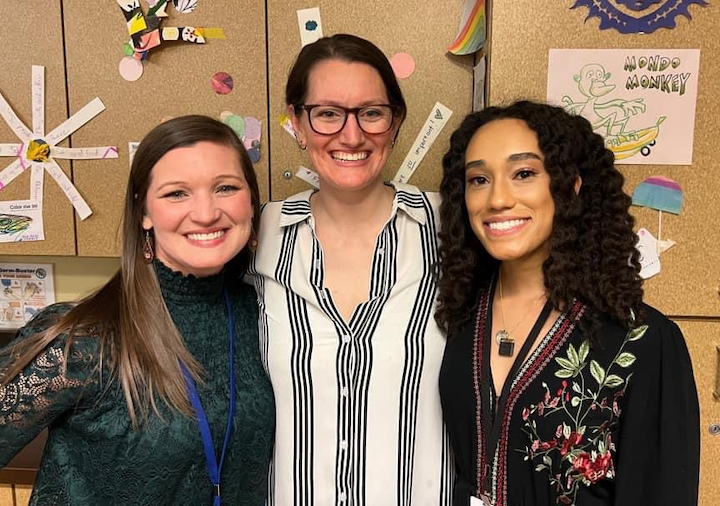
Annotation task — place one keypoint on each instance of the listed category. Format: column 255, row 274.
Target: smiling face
column 199, row 208
column 507, row 192
column 351, row 159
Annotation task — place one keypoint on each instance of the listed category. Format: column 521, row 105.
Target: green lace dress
column 94, row 457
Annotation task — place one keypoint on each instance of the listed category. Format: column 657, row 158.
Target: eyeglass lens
column 374, row 119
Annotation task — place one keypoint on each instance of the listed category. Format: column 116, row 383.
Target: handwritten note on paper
column 308, row 176
column 84, row 153
column 11, row 172
column 18, row 127
column 37, row 177
column 434, row 124
column 10, row 149
column 38, row 100
column 92, row 109
column 72, row 194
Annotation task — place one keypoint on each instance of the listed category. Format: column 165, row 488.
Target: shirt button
column 343, row 445
column 345, row 339
column 344, row 391
column 343, row 496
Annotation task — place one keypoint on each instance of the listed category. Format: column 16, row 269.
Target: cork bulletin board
column 423, row 30
column 176, row 81
column 521, row 37
column 25, row 48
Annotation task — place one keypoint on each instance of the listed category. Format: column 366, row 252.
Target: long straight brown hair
column 138, row 339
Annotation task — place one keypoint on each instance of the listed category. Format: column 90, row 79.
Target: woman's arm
column 55, row 381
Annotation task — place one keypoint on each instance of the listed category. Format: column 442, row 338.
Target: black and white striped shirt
column 358, row 410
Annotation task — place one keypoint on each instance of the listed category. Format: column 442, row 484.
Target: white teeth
column 206, row 237
column 347, row 157
column 505, row 225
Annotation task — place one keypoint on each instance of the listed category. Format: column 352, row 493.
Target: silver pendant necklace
column 506, row 344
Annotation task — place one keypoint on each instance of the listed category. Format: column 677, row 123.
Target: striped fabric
column 358, row 409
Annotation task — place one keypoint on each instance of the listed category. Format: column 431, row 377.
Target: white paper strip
column 67, row 187
column 37, row 177
column 75, row 121
column 310, row 25
column 11, row 172
column 18, row 127
column 11, row 149
column 308, row 176
column 38, row 100
column 434, row 124
column 84, row 153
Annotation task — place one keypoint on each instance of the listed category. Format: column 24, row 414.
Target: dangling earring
column 147, row 248
column 252, row 242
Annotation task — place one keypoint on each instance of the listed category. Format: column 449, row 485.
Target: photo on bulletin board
column 25, row 289
column 642, row 101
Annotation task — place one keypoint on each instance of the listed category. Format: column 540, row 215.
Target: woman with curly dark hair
column 558, row 385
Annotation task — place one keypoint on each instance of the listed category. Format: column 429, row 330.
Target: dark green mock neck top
column 94, row 457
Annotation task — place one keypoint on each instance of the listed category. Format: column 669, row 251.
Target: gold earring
column 147, row 249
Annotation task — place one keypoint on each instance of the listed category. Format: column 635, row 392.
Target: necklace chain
column 506, row 334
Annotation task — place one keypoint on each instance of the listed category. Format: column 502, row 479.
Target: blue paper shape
column 654, row 17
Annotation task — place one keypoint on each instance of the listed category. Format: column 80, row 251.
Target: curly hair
column 592, row 254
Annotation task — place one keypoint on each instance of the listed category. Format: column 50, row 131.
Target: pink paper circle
column 130, row 68
column 222, row 83
column 403, row 65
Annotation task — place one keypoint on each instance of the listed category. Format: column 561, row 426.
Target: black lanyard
column 213, row 465
column 487, row 382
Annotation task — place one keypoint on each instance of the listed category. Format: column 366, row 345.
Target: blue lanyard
column 215, row 468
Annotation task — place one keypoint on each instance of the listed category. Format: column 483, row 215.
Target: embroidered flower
column 582, row 452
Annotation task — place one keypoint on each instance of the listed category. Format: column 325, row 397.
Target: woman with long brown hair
column 152, row 388
column 559, row 385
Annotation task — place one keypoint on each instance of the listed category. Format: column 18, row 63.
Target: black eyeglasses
column 330, row 119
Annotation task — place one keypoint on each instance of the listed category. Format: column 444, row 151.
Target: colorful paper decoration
column 659, row 192
column 649, row 17
column 471, row 32
column 145, row 31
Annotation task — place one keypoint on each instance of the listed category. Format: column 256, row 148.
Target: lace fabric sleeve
column 57, row 380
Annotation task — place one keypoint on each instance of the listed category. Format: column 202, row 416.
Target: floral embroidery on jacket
column 580, row 452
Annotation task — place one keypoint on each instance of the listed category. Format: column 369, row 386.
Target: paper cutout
column 132, row 147
column 146, row 34
column 647, row 245
column 434, row 124
column 642, row 101
column 130, row 69
column 659, row 192
column 185, row 6
column 222, row 83
column 248, row 129
column 472, row 31
column 649, row 16
column 662, row 194
column 310, row 25
column 479, row 72
column 37, row 151
column 403, row 65
column 285, row 122
column 308, row 176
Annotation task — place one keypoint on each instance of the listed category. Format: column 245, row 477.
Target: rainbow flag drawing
column 472, row 30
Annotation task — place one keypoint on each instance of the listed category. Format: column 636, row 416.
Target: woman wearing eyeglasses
column 344, row 278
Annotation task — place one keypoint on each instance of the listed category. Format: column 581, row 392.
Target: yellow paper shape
column 212, row 33
column 38, row 151
column 136, row 23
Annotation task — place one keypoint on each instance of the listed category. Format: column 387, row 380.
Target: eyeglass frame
column 354, row 110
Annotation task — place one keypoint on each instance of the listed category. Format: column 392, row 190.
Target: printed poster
column 26, row 289
column 642, row 101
